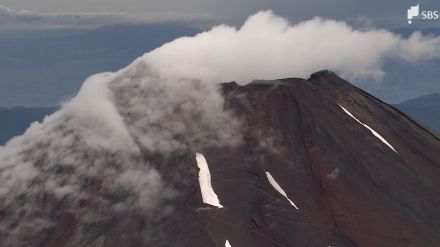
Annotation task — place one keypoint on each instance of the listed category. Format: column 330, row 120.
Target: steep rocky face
column 321, row 163
column 352, row 188
column 370, row 184
column 369, row 179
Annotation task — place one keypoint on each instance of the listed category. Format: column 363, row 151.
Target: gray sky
column 391, row 13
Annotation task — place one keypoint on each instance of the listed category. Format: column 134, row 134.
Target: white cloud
column 267, row 46
column 418, row 47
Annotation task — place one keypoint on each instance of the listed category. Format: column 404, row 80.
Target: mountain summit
column 360, row 172
column 288, row 162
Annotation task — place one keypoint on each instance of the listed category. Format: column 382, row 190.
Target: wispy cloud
column 10, row 18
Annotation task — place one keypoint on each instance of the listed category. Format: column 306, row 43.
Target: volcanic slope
column 360, row 172
column 320, row 163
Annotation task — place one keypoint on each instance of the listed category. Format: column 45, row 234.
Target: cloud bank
column 97, row 157
column 268, row 46
column 10, row 18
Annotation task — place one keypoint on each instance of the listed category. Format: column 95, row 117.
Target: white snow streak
column 370, row 129
column 278, row 188
column 208, row 194
column 227, row 244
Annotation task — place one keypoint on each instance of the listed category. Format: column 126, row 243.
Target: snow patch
column 227, row 244
column 278, row 188
column 208, row 194
column 370, row 129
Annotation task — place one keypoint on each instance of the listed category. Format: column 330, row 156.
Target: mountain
column 16, row 120
column 425, row 109
column 294, row 162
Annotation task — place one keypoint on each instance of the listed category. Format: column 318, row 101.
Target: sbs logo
column 414, row 11
column 430, row 15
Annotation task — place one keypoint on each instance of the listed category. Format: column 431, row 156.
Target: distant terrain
column 425, row 109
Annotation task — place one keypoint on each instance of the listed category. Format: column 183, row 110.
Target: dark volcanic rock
column 351, row 188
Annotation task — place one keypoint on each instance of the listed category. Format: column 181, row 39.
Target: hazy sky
column 377, row 12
